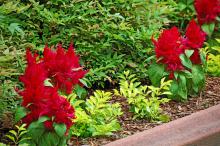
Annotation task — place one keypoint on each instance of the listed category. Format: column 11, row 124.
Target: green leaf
column 13, row 27
column 187, row 73
column 23, row 140
column 52, row 139
column 22, row 133
column 36, row 130
column 156, row 73
column 13, row 132
column 80, row 91
column 86, row 82
column 186, row 61
column 208, row 28
column 182, row 87
column 176, row 75
column 48, row 83
column 60, row 129
column 177, row 92
column 189, row 53
column 43, row 119
column 11, row 138
column 198, row 77
column 43, row 141
column 63, row 141
column 20, row 113
column 203, row 58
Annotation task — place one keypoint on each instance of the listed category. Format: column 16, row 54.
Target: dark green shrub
column 99, row 29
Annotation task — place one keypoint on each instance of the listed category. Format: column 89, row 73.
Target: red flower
column 63, row 67
column 41, row 100
column 168, row 48
column 207, row 10
column 195, row 37
column 34, row 74
column 33, row 80
column 56, row 107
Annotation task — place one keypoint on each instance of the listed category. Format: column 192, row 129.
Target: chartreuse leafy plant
column 96, row 116
column 213, row 62
column 180, row 59
column 19, row 135
column 144, row 101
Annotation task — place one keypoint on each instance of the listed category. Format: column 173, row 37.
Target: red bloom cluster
column 170, row 45
column 63, row 68
column 207, row 10
column 168, row 48
column 195, row 38
column 42, row 100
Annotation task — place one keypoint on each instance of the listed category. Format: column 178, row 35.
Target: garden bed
column 208, row 98
column 136, row 52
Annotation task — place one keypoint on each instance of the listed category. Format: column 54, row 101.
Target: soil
column 209, row 97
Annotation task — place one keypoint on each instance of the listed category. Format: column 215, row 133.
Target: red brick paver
column 199, row 129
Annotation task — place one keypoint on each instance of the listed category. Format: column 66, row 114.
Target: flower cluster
column 170, row 45
column 194, row 40
column 207, row 10
column 41, row 100
column 63, row 68
column 168, row 48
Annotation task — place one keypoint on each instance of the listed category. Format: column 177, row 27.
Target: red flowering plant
column 207, row 14
column 63, row 67
column 179, row 58
column 48, row 115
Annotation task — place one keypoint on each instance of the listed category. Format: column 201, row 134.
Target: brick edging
column 198, row 129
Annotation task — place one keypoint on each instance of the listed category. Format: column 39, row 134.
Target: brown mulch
column 209, row 97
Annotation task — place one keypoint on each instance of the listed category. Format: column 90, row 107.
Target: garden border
column 198, row 129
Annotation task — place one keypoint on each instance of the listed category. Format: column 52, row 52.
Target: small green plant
column 96, row 116
column 213, row 65
column 213, row 61
column 19, row 135
column 144, row 100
